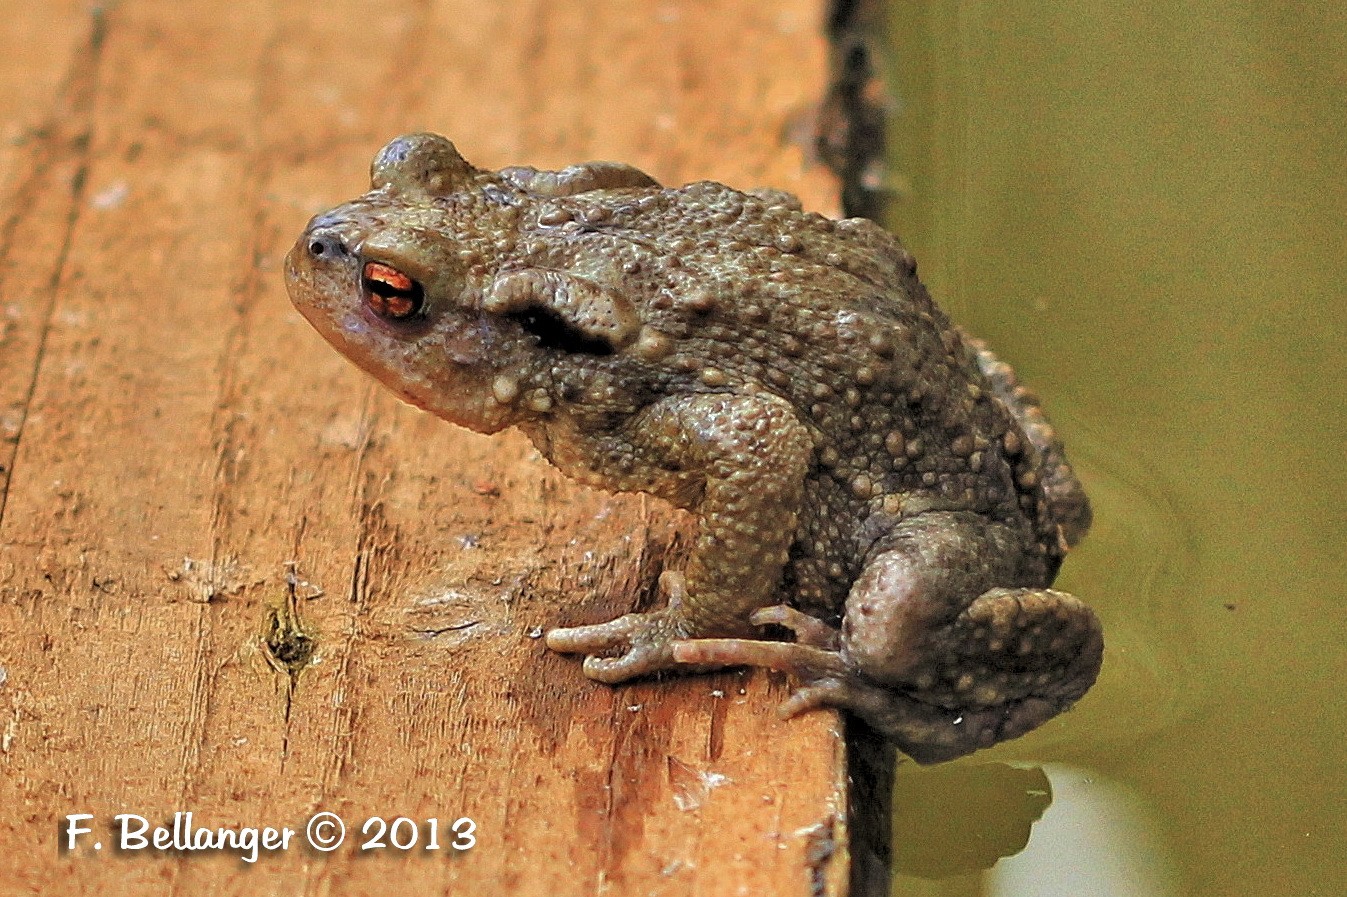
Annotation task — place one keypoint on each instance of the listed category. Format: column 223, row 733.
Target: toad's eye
column 389, row 293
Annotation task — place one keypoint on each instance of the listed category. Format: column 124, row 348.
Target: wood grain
column 237, row 579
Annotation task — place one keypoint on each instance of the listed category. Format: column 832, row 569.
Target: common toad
column 869, row 480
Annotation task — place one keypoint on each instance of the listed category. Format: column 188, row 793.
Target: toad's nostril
column 326, row 245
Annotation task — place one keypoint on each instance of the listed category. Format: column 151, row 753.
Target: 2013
column 403, row 833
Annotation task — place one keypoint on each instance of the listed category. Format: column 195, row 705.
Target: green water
column 1141, row 205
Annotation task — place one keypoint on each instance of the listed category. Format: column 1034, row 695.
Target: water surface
column 1141, row 206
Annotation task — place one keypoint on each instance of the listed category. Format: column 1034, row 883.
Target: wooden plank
column 238, row 580
column 46, row 64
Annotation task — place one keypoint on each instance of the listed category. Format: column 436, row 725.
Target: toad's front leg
column 748, row 456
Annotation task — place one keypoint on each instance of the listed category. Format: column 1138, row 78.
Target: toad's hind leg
column 937, row 680
column 1066, row 497
column 962, row 674
column 1012, row 660
column 1016, row 658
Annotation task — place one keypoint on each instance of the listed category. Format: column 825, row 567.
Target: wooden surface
column 236, row 579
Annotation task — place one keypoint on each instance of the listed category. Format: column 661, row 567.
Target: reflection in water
column 1098, row 838
column 997, row 806
column 1053, row 831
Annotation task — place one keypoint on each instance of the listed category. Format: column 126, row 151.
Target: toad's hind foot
column 925, row 732
column 813, row 653
column 808, row 630
column 788, row 657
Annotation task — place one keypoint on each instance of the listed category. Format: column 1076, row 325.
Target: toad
column 881, row 507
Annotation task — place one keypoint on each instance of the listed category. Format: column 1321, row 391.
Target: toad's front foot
column 631, row 645
column 642, row 643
